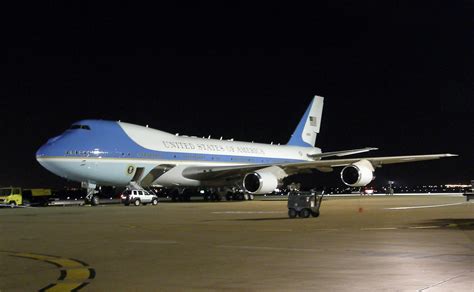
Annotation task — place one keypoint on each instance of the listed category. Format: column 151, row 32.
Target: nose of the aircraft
column 46, row 153
column 47, row 149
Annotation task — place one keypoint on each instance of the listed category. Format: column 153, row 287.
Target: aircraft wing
column 229, row 172
column 341, row 153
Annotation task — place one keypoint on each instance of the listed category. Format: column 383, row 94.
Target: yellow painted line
column 33, row 256
column 73, row 272
column 62, row 287
column 81, row 274
column 62, row 262
column 66, row 263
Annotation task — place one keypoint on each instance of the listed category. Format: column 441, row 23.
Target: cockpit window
column 74, row 127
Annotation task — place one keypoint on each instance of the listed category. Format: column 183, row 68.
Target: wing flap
column 341, row 153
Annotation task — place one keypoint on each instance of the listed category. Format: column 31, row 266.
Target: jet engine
column 358, row 174
column 260, row 182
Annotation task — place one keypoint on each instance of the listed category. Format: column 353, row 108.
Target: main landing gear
column 91, row 198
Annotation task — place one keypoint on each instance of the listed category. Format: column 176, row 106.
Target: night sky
column 397, row 76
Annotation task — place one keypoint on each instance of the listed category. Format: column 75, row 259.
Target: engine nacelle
column 358, row 174
column 260, row 182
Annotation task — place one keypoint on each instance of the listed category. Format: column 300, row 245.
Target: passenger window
column 140, row 193
column 16, row 191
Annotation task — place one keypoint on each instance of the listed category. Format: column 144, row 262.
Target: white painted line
column 424, row 227
column 154, row 241
column 327, row 229
column 275, row 230
column 268, row 248
column 421, row 207
column 380, row 228
column 248, row 212
column 444, row 281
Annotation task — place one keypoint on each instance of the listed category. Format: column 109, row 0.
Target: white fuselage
column 111, row 152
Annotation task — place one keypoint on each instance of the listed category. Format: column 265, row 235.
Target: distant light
column 146, row 126
column 458, row 186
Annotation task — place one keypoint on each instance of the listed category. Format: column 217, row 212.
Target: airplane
column 114, row 153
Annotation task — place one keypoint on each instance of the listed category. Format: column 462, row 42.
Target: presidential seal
column 130, row 169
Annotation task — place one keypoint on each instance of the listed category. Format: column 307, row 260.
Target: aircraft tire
column 95, row 201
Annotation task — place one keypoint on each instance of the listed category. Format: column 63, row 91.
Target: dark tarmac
column 357, row 244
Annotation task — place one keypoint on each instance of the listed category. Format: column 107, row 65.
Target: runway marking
column 421, row 207
column 73, row 274
column 379, row 228
column 267, row 248
column 444, row 281
column 154, row 241
column 274, row 230
column 248, row 212
column 423, row 227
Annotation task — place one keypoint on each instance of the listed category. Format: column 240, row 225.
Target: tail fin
column 308, row 127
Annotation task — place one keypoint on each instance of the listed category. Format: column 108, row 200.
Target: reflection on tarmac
column 244, row 246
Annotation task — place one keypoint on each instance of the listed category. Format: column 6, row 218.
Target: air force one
column 109, row 153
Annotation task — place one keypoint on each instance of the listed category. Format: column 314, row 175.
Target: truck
column 16, row 196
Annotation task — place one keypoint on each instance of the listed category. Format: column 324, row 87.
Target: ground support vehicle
column 16, row 196
column 470, row 194
column 138, row 197
column 304, row 204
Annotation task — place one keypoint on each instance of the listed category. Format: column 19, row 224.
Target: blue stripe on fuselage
column 108, row 140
